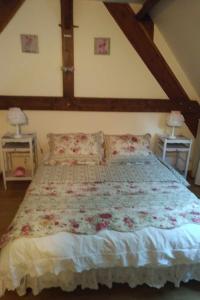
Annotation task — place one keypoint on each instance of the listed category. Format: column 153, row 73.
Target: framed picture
column 29, row 43
column 102, row 46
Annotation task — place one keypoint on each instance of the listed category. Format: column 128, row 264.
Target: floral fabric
column 146, row 169
column 126, row 147
column 76, row 148
column 88, row 207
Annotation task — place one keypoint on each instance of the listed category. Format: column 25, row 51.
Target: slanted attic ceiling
column 135, row 27
column 179, row 22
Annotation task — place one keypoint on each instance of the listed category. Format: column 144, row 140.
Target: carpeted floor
column 9, row 202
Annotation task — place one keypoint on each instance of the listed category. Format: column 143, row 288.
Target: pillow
column 76, row 148
column 126, row 147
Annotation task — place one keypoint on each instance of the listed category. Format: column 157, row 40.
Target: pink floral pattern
column 76, row 148
column 124, row 148
column 88, row 208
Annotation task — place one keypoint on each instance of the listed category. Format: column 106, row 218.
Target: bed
column 90, row 224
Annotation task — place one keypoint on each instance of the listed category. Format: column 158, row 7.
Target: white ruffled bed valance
column 69, row 281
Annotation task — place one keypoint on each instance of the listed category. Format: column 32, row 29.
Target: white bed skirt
column 69, row 281
column 152, row 256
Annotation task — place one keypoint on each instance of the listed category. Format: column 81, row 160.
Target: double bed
column 90, row 224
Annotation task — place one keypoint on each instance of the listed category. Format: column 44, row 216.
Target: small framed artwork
column 102, row 46
column 29, row 43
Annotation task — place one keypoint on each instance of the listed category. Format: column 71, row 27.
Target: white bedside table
column 179, row 145
column 25, row 146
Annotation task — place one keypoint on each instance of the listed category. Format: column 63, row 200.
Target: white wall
column 44, row 122
column 121, row 74
column 32, row 74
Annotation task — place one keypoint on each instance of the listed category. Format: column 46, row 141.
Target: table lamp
column 174, row 119
column 17, row 118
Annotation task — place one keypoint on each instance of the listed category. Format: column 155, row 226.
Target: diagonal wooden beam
column 147, row 6
column 151, row 56
column 67, row 47
column 147, row 50
column 8, row 9
column 148, row 26
column 190, row 109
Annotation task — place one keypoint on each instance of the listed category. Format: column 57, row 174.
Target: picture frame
column 102, row 46
column 29, row 43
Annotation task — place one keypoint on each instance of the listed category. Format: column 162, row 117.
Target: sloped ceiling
column 179, row 22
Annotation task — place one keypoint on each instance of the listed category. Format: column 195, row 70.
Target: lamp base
column 18, row 134
column 172, row 136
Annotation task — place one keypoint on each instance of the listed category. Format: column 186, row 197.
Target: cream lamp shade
column 174, row 119
column 17, row 118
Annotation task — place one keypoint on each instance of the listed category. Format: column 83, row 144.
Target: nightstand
column 24, row 147
column 180, row 146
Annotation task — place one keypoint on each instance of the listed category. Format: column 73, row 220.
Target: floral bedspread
column 87, row 208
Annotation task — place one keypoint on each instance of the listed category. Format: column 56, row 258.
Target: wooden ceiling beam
column 148, row 26
column 8, row 9
column 147, row 50
column 132, row 105
column 67, row 47
column 151, row 56
column 141, row 41
column 97, row 104
column 145, row 10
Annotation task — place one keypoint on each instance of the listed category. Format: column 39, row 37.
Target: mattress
column 152, row 252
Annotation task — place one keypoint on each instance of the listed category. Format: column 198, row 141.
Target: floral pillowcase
column 127, row 147
column 76, row 148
